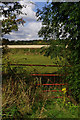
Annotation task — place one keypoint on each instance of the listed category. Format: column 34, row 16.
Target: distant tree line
column 30, row 42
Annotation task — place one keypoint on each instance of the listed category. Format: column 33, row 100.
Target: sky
column 30, row 29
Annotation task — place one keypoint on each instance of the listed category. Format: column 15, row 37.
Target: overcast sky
column 30, row 29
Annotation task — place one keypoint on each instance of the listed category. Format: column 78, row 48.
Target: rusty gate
column 53, row 85
column 53, row 82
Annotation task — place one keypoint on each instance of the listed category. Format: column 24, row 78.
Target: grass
column 28, row 104
column 21, row 97
column 22, row 56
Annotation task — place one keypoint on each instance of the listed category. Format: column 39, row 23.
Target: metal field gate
column 53, row 83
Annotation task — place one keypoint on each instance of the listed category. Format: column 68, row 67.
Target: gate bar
column 40, row 65
column 52, row 90
column 53, row 84
column 46, row 75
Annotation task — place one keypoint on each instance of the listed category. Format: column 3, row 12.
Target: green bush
column 5, row 50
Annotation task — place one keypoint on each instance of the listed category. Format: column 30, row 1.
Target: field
column 22, row 98
column 32, row 56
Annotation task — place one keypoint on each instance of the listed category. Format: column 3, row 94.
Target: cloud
column 28, row 32
column 30, row 29
column 28, row 10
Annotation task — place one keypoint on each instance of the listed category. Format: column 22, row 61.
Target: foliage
column 10, row 72
column 10, row 10
column 23, row 99
column 68, row 106
column 63, row 20
column 18, row 91
column 5, row 50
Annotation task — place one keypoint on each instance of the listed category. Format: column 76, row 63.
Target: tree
column 5, row 41
column 10, row 10
column 63, row 20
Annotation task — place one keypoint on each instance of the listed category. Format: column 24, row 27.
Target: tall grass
column 20, row 94
column 23, row 99
column 16, row 97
